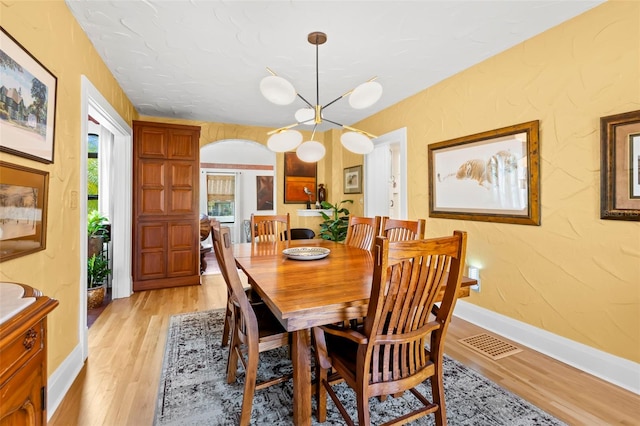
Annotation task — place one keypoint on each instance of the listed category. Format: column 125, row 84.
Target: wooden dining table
column 306, row 293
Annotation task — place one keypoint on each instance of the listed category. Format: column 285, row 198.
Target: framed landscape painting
column 23, row 210
column 491, row 176
column 27, row 103
column 620, row 166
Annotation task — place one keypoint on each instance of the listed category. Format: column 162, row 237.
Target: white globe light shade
column 356, row 142
column 277, row 90
column 305, row 116
column 365, row 95
column 284, row 141
column 311, row 151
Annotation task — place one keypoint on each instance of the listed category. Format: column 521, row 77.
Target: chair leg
column 321, row 393
column 363, row 409
column 437, row 391
column 323, row 366
column 232, row 359
column 250, row 377
column 225, row 329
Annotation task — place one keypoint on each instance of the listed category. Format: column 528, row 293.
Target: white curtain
column 105, row 173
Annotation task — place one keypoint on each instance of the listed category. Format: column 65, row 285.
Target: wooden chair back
column 407, row 278
column 217, row 250
column 254, row 328
column 402, row 230
column 270, row 228
column 224, row 253
column 362, row 231
column 399, row 345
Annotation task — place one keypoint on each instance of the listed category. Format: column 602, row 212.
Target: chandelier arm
column 353, row 129
column 305, row 101
column 333, row 122
column 283, row 128
column 315, row 126
column 336, row 99
column 347, row 93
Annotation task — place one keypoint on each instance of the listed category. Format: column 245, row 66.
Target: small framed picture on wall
column 353, row 180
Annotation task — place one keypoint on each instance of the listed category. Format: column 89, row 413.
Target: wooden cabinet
column 165, row 202
column 23, row 355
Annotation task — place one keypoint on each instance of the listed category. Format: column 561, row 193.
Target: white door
column 385, row 169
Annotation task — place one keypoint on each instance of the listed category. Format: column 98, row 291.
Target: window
column 93, row 165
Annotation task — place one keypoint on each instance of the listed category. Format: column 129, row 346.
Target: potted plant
column 334, row 227
column 97, row 271
column 98, row 232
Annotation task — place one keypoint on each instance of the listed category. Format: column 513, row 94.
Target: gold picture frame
column 353, row 180
column 493, row 176
column 23, row 210
column 620, row 166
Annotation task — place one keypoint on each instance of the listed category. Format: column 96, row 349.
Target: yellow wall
column 575, row 275
column 51, row 34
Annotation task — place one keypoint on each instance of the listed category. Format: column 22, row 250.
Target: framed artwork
column 299, row 180
column 492, row 176
column 264, row 193
column 620, row 166
column 353, row 180
column 27, row 103
column 23, row 210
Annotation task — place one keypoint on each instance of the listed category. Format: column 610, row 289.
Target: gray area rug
column 193, row 388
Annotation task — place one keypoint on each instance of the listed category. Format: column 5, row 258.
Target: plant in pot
column 334, row 227
column 98, row 232
column 97, row 271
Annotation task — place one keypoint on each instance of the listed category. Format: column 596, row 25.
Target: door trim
column 399, row 137
column 92, row 102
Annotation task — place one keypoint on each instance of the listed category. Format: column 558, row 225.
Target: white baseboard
column 619, row 371
column 61, row 380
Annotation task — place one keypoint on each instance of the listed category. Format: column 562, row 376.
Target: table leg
column 301, row 358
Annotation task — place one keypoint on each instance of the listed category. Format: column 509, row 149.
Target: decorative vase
column 95, row 297
column 322, row 193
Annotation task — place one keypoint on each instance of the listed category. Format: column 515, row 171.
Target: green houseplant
column 98, row 231
column 97, row 271
column 334, row 227
column 97, row 225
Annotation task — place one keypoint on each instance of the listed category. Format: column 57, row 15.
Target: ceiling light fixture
column 281, row 92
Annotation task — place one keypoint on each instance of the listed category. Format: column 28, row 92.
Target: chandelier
column 281, row 92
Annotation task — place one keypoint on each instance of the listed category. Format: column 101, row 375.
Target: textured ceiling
column 203, row 60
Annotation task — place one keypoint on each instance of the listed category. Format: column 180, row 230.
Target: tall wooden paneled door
column 165, row 205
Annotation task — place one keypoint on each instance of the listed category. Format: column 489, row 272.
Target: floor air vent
column 490, row 346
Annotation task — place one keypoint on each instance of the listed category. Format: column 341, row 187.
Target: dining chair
column 228, row 317
column 362, row 231
column 402, row 230
column 302, row 234
column 269, row 228
column 254, row 330
column 399, row 345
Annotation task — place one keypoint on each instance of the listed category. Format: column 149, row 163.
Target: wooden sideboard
column 23, row 354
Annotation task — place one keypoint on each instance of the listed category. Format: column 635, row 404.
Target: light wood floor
column 119, row 383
